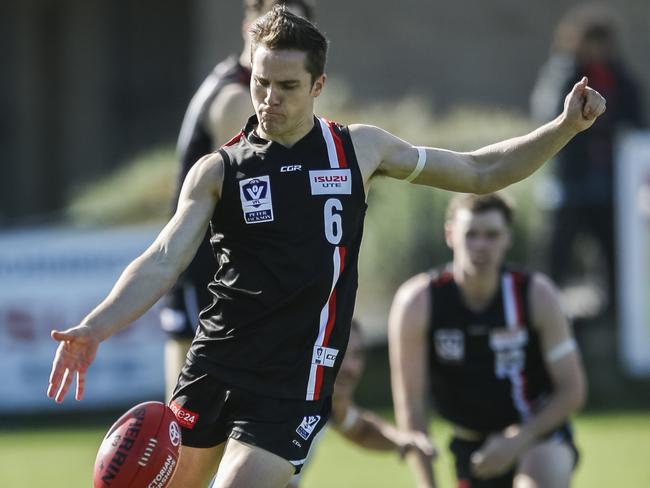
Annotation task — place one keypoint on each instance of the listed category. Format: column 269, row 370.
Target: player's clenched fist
column 583, row 105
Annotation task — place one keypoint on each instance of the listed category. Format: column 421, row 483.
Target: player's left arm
column 482, row 171
column 369, row 430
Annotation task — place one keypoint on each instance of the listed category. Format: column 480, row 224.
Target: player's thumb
column 580, row 87
column 64, row 335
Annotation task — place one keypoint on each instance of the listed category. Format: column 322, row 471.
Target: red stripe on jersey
column 519, row 302
column 234, row 140
column 332, row 307
column 464, row 484
column 338, row 143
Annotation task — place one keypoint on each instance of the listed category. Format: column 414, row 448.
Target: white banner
column 633, row 251
column 51, row 278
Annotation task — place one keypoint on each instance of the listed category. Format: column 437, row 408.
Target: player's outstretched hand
column 76, row 351
column 583, row 105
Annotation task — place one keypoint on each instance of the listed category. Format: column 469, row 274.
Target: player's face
column 352, row 365
column 282, row 91
column 479, row 240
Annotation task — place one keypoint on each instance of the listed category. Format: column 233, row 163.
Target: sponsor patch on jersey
column 307, row 426
column 509, row 354
column 256, row 202
column 185, row 417
column 449, row 344
column 508, row 338
column 325, row 356
column 330, row 182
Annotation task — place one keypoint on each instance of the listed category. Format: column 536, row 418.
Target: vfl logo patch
column 325, row 356
column 307, row 426
column 450, row 344
column 331, row 182
column 255, row 194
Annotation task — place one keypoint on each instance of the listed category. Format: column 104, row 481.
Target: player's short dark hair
column 481, row 203
column 256, row 8
column 280, row 29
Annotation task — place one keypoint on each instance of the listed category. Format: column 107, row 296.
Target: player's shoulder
column 414, row 290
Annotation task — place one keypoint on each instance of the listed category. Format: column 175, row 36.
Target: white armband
column 351, row 417
column 561, row 350
column 422, row 158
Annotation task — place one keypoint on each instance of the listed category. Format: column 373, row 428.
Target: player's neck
column 288, row 138
column 477, row 289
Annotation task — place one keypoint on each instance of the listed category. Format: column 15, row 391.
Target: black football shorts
column 210, row 412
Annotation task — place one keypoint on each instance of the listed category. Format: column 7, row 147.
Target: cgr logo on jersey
column 450, row 344
column 325, row 356
column 307, row 426
column 290, row 167
column 255, row 194
column 331, row 182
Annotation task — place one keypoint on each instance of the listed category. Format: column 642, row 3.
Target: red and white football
column 140, row 450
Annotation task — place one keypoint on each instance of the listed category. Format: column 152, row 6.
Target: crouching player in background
column 493, row 347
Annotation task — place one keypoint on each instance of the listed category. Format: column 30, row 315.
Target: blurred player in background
column 285, row 201
column 493, row 347
column 216, row 113
column 358, row 425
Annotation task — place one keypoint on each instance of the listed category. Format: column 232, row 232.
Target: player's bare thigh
column 246, row 466
column 546, row 465
column 197, row 466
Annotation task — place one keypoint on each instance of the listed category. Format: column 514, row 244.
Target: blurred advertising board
column 51, row 278
column 633, row 251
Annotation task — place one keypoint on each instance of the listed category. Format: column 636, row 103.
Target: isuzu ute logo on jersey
column 255, row 194
column 331, row 182
column 307, row 426
column 325, row 356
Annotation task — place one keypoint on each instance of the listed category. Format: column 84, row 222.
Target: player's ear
column 317, row 86
column 449, row 227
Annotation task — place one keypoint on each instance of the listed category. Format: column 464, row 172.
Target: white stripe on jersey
column 324, row 317
column 517, row 378
column 329, row 141
column 509, row 301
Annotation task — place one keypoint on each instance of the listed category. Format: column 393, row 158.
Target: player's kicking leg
column 546, row 465
column 197, row 466
column 246, row 466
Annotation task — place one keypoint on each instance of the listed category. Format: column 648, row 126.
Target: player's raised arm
column 143, row 281
column 487, row 169
column 407, row 325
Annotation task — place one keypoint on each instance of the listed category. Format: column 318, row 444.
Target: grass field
column 615, row 452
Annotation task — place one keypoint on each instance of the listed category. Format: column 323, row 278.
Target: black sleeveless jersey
column 195, row 141
column 286, row 234
column 486, row 368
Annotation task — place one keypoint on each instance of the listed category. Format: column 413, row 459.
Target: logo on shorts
column 185, row 417
column 255, row 194
column 174, row 433
column 307, row 426
column 325, row 356
column 331, row 182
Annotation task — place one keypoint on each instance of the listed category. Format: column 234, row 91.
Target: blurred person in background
column 358, row 425
column 489, row 343
column 285, row 201
column 586, row 44
column 217, row 112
